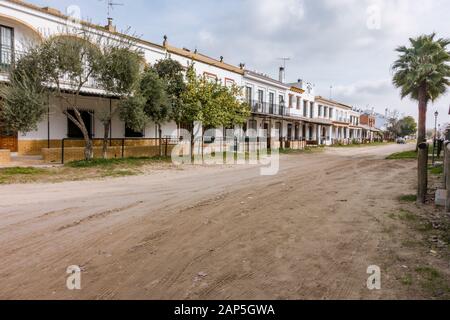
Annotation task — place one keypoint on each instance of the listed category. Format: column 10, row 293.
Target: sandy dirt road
column 207, row 232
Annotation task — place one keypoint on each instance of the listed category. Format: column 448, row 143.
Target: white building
column 23, row 25
column 266, row 98
column 293, row 108
column 345, row 126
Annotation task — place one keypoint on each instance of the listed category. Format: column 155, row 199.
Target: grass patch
column 433, row 281
column 360, row 145
column 407, row 280
column 80, row 170
column 408, row 155
column 436, row 170
column 306, row 150
column 408, row 198
column 406, row 215
column 131, row 162
column 392, row 216
column 22, row 174
column 429, row 273
column 21, row 171
column 290, row 151
column 119, row 173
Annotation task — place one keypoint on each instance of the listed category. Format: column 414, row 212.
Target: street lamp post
column 436, row 115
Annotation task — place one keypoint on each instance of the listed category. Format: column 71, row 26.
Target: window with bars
column 253, row 125
column 6, row 46
column 261, row 96
column 248, row 95
column 271, row 99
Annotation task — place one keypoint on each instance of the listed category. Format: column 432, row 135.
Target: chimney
column 281, row 77
column 110, row 27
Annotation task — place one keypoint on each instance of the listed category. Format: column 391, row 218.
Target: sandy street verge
column 309, row 232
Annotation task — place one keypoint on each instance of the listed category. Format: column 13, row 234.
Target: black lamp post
column 436, row 115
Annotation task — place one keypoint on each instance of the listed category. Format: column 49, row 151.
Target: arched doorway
column 11, row 49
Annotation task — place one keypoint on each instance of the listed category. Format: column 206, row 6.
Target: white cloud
column 207, row 38
column 273, row 16
column 365, row 88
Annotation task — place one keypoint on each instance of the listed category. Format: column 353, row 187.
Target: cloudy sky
column 346, row 44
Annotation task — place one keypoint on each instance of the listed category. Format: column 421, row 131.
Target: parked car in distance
column 401, row 141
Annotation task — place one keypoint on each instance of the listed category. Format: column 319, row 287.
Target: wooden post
column 447, row 175
column 422, row 173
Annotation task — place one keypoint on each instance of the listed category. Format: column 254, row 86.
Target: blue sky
column 347, row 44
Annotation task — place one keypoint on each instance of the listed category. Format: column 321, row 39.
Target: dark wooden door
column 9, row 142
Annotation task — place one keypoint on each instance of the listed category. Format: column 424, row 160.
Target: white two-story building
column 24, row 25
column 345, row 125
column 301, row 117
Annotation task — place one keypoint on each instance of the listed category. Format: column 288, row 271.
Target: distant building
column 370, row 132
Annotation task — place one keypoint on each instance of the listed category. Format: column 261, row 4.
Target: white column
column 319, row 134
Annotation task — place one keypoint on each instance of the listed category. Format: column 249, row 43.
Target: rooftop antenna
column 331, row 92
column 285, row 60
column 110, row 4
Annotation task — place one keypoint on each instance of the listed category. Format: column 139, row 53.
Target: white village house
column 301, row 117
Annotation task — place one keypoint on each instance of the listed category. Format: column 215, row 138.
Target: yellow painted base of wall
column 34, row 147
column 295, row 145
column 5, row 156
column 54, row 155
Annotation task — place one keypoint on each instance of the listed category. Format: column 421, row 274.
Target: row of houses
column 294, row 109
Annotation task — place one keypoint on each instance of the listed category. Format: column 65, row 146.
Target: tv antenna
column 110, row 4
column 285, row 60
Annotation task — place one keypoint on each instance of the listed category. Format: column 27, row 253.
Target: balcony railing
column 8, row 59
column 269, row 108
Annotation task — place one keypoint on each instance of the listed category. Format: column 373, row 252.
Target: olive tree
column 211, row 103
column 157, row 98
column 62, row 67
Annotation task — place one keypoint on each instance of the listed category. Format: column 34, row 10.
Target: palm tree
column 422, row 72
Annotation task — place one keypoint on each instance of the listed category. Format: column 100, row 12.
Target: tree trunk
column 423, row 101
column 422, row 146
column 160, row 140
column 192, row 145
column 447, row 176
column 88, row 147
column 106, row 126
column 422, row 173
